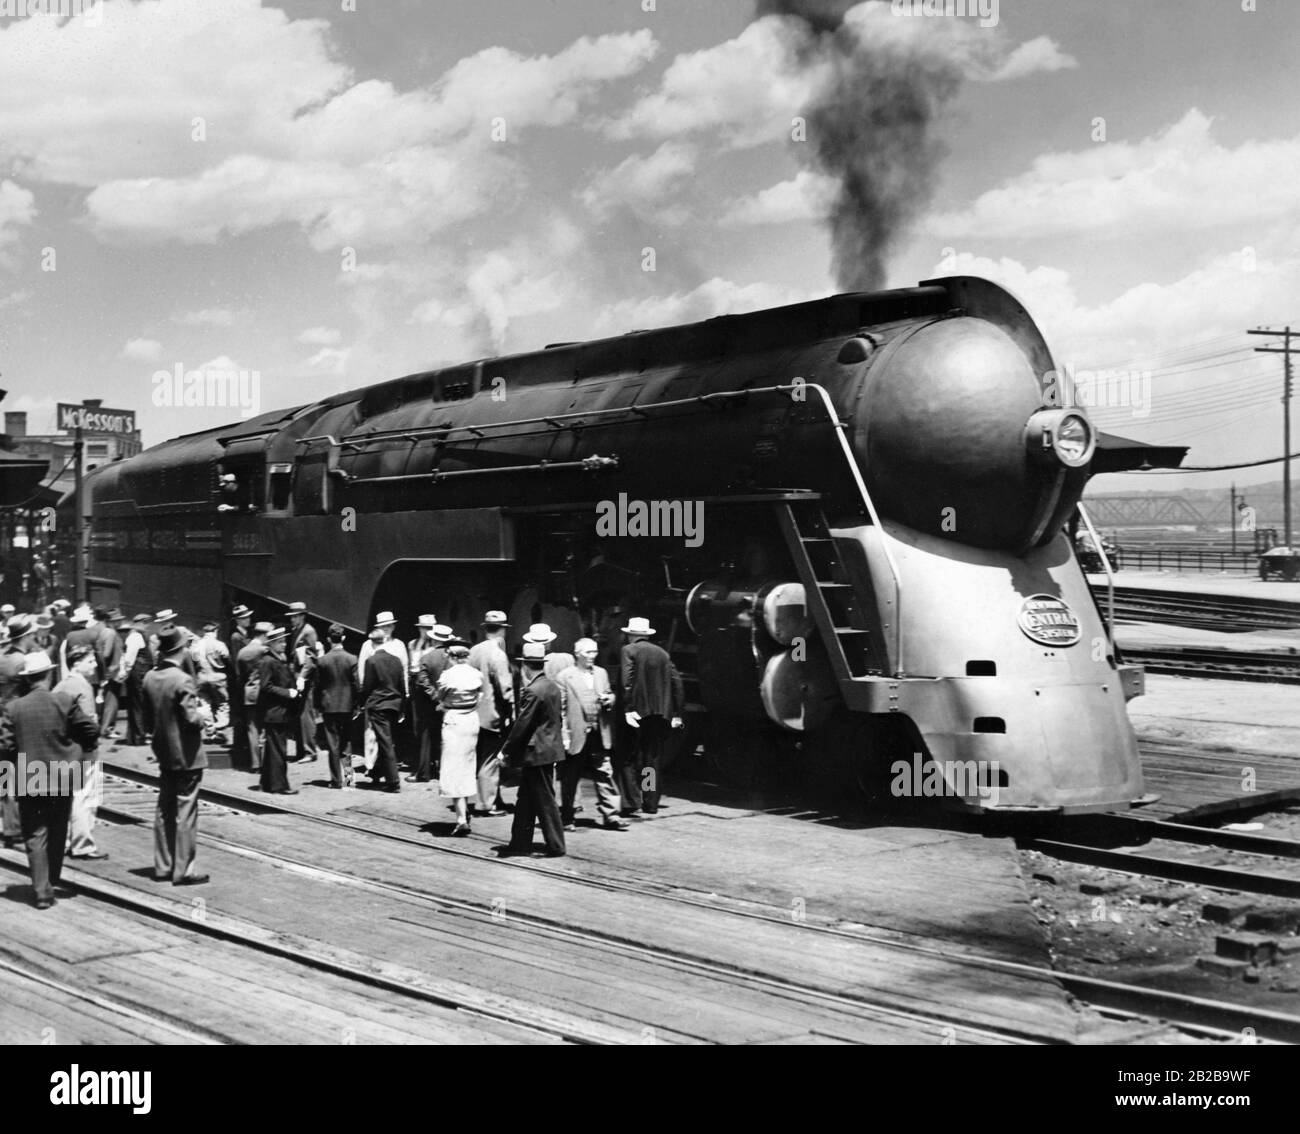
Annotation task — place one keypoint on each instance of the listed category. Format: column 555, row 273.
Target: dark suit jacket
column 83, row 637
column 246, row 662
column 651, row 684
column 276, row 704
column 384, row 686
column 336, row 681
column 50, row 730
column 537, row 736
column 171, row 713
column 431, row 667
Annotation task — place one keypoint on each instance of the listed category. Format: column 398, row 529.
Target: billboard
column 97, row 419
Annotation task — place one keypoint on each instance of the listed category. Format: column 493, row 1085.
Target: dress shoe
column 392, row 789
column 193, row 880
column 286, row 791
column 461, row 831
column 161, row 877
column 511, row 852
column 337, row 787
column 417, row 779
column 554, row 853
column 495, row 813
column 614, row 825
column 628, row 812
column 570, row 826
column 44, row 903
column 95, row 854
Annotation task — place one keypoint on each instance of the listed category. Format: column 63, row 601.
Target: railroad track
column 1199, row 610
column 1105, row 832
column 1210, row 1019
column 1230, row 665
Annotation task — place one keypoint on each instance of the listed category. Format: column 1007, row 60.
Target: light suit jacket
column 583, row 706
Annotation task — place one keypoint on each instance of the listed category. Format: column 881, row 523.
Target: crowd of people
column 480, row 723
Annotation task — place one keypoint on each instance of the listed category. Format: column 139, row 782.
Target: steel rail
column 1176, row 1008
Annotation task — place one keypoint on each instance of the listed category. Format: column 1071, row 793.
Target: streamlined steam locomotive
column 844, row 517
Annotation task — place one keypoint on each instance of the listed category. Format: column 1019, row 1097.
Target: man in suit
column 109, row 649
column 137, row 660
column 334, row 679
column 304, row 646
column 588, row 701
column 84, row 632
column 277, row 712
column 173, row 716
column 652, row 702
column 236, row 640
column 429, row 666
column 382, row 693
column 44, row 737
column 495, row 708
column 89, row 793
column 19, row 630
column 536, row 743
column 246, row 668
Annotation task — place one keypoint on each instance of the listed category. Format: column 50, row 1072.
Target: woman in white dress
column 459, row 688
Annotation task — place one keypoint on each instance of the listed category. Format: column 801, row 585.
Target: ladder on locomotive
column 830, row 596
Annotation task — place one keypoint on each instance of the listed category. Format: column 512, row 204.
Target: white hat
column 638, row 626
column 427, row 621
column 495, row 618
column 541, row 633
column 384, row 618
column 533, row 651
column 167, row 615
column 36, row 663
column 81, row 614
column 297, row 608
column 441, row 633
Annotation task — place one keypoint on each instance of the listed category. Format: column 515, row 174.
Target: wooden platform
column 650, row 933
column 1196, row 782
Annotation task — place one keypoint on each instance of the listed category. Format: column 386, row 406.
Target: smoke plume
column 871, row 120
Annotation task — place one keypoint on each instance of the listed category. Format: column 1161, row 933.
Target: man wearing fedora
column 109, row 649
column 247, row 686
column 18, row 631
column 137, row 660
column 536, row 743
column 426, row 716
column 166, row 619
column 304, row 647
column 236, row 640
column 334, row 679
column 52, row 735
column 84, row 633
column 653, row 700
column 383, row 694
column 173, row 715
column 495, row 708
column 277, row 710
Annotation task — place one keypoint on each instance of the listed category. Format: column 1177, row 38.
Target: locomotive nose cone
column 940, row 433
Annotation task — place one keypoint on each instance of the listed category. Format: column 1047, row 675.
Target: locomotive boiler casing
column 904, row 436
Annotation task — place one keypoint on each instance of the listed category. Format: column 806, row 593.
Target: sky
column 334, row 193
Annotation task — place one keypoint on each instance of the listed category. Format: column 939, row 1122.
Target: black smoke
column 871, row 121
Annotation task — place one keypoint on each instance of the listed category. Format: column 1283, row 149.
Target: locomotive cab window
column 279, row 487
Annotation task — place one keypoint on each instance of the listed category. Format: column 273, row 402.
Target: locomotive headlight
column 1061, row 435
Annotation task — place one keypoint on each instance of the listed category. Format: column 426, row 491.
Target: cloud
column 644, row 184
column 1177, row 180
column 328, row 360
column 240, row 118
column 805, row 197
column 1032, row 57
column 142, row 350
column 714, row 297
column 320, row 336
column 748, row 88
column 206, row 317
column 17, row 207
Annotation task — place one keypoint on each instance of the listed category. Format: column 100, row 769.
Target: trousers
column 254, row 740
column 337, row 727
column 651, row 740
column 536, row 806
column 382, row 721
column 108, row 711
column 135, row 730
column 488, row 760
column 275, row 766
column 81, row 838
column 428, row 732
column 594, row 757
column 176, row 823
column 45, row 831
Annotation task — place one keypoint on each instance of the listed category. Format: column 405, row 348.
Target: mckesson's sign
column 97, row 420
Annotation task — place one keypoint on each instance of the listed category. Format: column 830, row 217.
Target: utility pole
column 1285, row 351
column 78, row 522
column 1232, row 515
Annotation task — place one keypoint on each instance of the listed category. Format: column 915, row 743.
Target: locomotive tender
column 879, row 567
